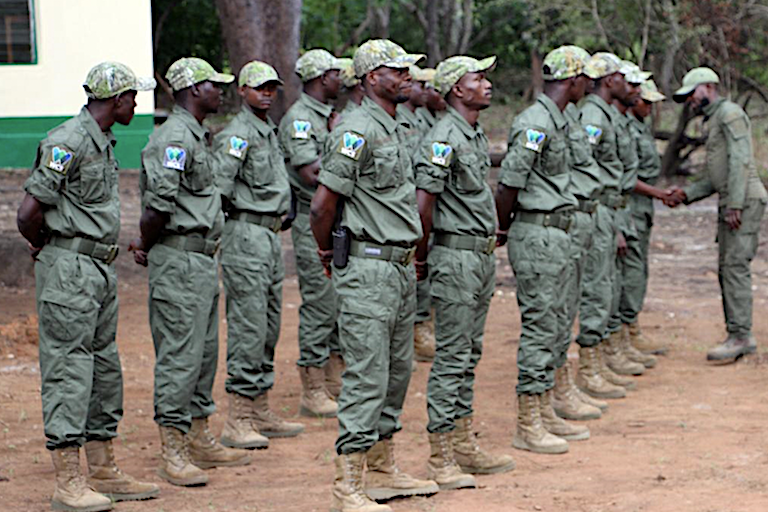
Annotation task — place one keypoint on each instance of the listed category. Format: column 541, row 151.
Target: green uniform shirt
column 250, row 169
column 453, row 162
column 730, row 170
column 599, row 120
column 426, row 119
column 627, row 153
column 649, row 160
column 75, row 173
column 538, row 159
column 350, row 107
column 585, row 179
column 177, row 177
column 366, row 161
column 302, row 132
column 412, row 128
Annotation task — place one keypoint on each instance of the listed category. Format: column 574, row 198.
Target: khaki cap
column 693, row 79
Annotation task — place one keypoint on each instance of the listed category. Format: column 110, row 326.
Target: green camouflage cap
column 602, row 64
column 109, row 79
column 348, row 77
column 428, row 76
column 314, row 63
column 416, row 74
column 692, row 79
column 376, row 53
column 189, row 71
column 650, row 93
column 257, row 73
column 633, row 74
column 452, row 69
column 564, row 62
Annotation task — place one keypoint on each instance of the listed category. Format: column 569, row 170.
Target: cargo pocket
column 171, row 312
column 65, row 317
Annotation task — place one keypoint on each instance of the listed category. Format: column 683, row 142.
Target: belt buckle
column 216, row 246
column 491, row 245
column 547, row 220
column 409, row 256
column 277, row 224
column 114, row 250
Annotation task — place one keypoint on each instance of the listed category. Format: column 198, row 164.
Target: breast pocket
column 554, row 159
column 199, row 176
column 387, row 168
column 95, row 180
column 469, row 174
column 258, row 170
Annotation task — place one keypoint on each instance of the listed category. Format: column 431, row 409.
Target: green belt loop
column 302, row 208
column 401, row 255
column 191, row 243
column 587, row 205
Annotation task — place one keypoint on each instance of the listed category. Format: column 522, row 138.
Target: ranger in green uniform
column 731, row 173
column 434, row 105
column 534, row 184
column 456, row 201
column 70, row 216
column 366, row 167
column 180, row 229
column 352, row 85
column 251, row 176
column 303, row 131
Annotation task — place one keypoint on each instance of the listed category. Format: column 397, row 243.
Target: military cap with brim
column 693, row 79
column 376, row 53
column 452, row 69
column 602, row 64
column 633, row 74
column 314, row 63
column 347, row 72
column 650, row 93
column 564, row 62
column 109, row 79
column 257, row 73
column 428, row 76
column 189, row 71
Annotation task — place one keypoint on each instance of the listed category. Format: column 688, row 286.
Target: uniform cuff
column 42, row 193
column 513, row 181
column 429, row 184
column 336, row 184
column 152, row 200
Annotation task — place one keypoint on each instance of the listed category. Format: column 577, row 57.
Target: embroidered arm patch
column 301, row 129
column 534, row 140
column 59, row 159
column 351, row 145
column 237, row 147
column 594, row 134
column 442, row 154
column 175, row 158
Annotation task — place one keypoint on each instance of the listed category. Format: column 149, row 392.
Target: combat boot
column 589, row 378
column 530, row 433
column 473, row 459
column 424, row 342
column 557, row 425
column 732, row 348
column 333, row 370
column 176, row 466
column 632, row 353
column 442, row 467
column 566, row 402
column 616, row 359
column 72, row 493
column 205, row 452
column 348, row 494
column 239, row 430
column 609, row 375
column 582, row 396
column 384, row 480
column 269, row 423
column 105, row 477
column 315, row 400
column 644, row 344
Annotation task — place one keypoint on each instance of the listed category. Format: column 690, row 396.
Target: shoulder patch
column 594, row 134
column 301, row 129
column 351, row 145
column 237, row 147
column 534, row 140
column 175, row 158
column 59, row 159
column 442, row 154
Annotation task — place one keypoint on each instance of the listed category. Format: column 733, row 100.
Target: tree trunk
column 537, row 78
column 265, row 30
column 671, row 159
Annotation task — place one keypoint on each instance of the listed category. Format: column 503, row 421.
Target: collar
column 321, row 108
column 710, row 109
column 185, row 116
column 100, row 138
column 554, row 111
column 387, row 121
column 604, row 106
column 406, row 114
column 265, row 128
column 462, row 123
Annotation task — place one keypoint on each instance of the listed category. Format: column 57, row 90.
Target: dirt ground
column 692, row 438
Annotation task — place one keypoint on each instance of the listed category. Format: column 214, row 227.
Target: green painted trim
column 33, row 33
column 19, row 137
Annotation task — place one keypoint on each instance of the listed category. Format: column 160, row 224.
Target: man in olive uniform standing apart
column 303, row 131
column 180, row 229
column 70, row 216
column 251, row 177
column 452, row 166
column 731, row 173
column 366, row 166
column 534, row 184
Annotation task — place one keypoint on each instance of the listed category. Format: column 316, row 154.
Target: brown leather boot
column 333, row 370
column 616, row 359
column 105, row 477
column 644, row 344
column 72, row 493
column 632, row 353
column 566, row 402
column 530, row 433
column 424, row 342
column 175, row 466
column 609, row 375
column 442, row 467
column 589, row 378
column 557, row 425
column 269, row 423
column 206, row 452
column 240, row 431
column 315, row 400
column 384, row 480
column 473, row 459
column 594, row 402
column 348, row 494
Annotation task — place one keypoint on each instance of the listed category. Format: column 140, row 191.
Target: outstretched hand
column 674, row 197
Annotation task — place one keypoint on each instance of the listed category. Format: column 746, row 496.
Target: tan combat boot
column 333, row 370
column 557, row 425
column 609, row 375
column 384, row 480
column 424, row 342
column 594, row 402
column 315, row 400
column 105, row 477
column 206, row 452
column 589, row 378
column 240, row 430
column 72, row 493
column 176, row 466
column 269, row 423
column 530, row 433
column 643, row 343
column 473, row 459
column 632, row 353
column 616, row 359
column 566, row 402
column 348, row 494
column 442, row 467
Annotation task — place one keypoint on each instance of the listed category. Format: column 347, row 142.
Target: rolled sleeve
column 225, row 166
column 430, row 177
column 301, row 152
column 518, row 162
column 162, row 182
